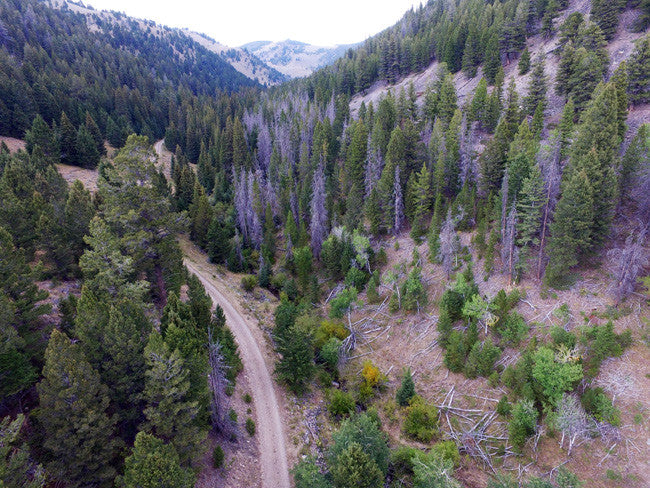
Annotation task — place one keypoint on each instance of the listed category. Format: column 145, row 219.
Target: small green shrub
column 232, row 415
column 447, row 450
column 563, row 337
column 341, row 403
column 421, row 420
column 503, row 407
column 250, row 426
column 249, row 282
column 401, row 460
column 513, row 328
column 248, row 398
column 406, row 390
column 481, row 358
column 342, row 302
column 218, row 457
column 597, row 403
column 356, row 278
column 329, row 353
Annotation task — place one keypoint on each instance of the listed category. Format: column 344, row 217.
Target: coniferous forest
column 440, row 243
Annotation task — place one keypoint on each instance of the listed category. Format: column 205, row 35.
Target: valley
column 418, row 261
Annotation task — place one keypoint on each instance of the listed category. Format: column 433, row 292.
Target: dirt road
column 273, row 455
column 270, row 435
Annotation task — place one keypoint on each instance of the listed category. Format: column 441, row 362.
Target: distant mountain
column 293, row 58
column 243, row 60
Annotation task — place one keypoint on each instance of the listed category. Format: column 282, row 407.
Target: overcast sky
column 236, row 22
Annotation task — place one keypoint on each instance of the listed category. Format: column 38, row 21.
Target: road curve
column 273, row 454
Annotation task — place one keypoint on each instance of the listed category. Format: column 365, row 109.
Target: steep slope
column 242, row 60
column 293, row 58
column 58, row 56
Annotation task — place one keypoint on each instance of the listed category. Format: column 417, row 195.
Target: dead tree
column 509, row 250
column 548, row 160
column 219, row 383
column 627, row 263
column 449, row 244
column 572, row 421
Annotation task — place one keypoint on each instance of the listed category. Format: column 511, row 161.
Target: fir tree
column 96, row 134
column 570, row 229
column 421, row 201
column 73, row 413
column 524, row 62
column 605, row 14
column 16, row 467
column 406, row 390
column 566, row 128
column 296, row 366
column 492, row 59
column 68, row 138
column 536, row 88
column 170, row 414
column 354, row 468
column 639, row 72
column 43, row 136
column 154, row 464
column 200, row 214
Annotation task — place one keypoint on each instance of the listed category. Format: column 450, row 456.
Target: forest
column 346, row 203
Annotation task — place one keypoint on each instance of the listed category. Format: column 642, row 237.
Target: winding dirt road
column 270, row 435
column 273, row 455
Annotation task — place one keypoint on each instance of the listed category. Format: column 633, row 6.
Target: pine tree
column 200, row 214
column 536, row 88
column 570, row 229
column 296, row 366
column 605, row 14
column 154, row 464
column 73, row 413
column 123, row 365
column 621, row 82
column 421, row 201
column 86, row 149
column 599, row 132
column 521, row 158
column 218, row 241
column 406, row 390
column 354, row 468
column 41, row 135
column 529, row 208
column 448, row 101
column 639, row 72
column 170, row 414
column 240, row 156
column 96, row 134
column 524, row 62
column 68, row 138
column 478, row 107
column 16, row 467
column 492, row 59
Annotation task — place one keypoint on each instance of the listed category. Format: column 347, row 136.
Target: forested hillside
column 128, row 76
column 449, row 227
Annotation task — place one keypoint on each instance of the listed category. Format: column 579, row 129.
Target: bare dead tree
column 628, row 262
column 509, row 250
column 218, row 382
column 449, row 244
column 572, row 421
column 318, row 211
column 399, row 203
column 548, row 159
column 374, row 167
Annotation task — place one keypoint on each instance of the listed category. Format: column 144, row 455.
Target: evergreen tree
column 621, row 82
column 200, row 214
column 43, row 136
column 421, row 201
column 639, row 72
column 524, row 62
column 218, row 241
column 492, row 59
column 406, row 390
column 570, row 229
column 296, row 366
column 170, row 414
column 16, row 468
column 73, row 413
column 598, row 133
column 86, row 149
column 536, row 88
column 521, row 158
column 354, row 468
column 68, row 141
column 154, row 464
column 605, row 14
column 96, row 134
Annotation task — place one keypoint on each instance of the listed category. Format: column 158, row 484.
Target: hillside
column 242, row 60
column 424, row 264
column 295, row 59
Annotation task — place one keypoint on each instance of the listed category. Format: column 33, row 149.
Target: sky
column 236, row 22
